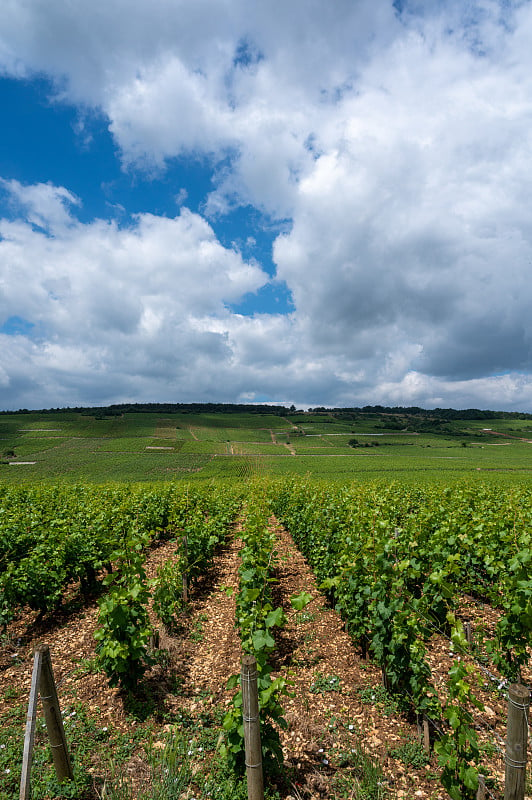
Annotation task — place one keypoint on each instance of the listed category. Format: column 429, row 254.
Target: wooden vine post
column 468, row 632
column 43, row 683
column 184, row 578
column 423, row 731
column 426, row 734
column 250, row 716
column 516, row 742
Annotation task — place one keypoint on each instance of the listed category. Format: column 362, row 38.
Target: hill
column 153, row 442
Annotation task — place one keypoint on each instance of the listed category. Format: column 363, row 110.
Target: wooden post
column 516, row 742
column 423, row 731
column 184, row 573
column 42, row 682
column 481, row 791
column 426, row 734
column 52, row 716
column 250, row 716
column 468, row 633
column 29, row 736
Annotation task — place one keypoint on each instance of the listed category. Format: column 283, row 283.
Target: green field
column 74, row 447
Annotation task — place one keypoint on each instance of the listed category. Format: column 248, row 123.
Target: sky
column 318, row 202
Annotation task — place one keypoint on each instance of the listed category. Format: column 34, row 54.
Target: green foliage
column 270, row 692
column 54, row 538
column 514, row 629
column 299, row 601
column 256, row 619
column 379, row 696
column 458, row 751
column 124, row 631
column 394, row 560
column 411, row 753
column 167, row 591
column 325, row 683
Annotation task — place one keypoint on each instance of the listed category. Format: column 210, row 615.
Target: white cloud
column 42, row 204
column 396, row 144
column 121, row 305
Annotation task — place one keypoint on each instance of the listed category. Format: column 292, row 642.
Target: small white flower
column 320, row 750
column 190, row 752
column 104, row 729
column 351, row 727
column 7, row 771
column 324, row 761
column 2, row 747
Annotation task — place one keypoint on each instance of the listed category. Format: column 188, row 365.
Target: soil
column 337, row 704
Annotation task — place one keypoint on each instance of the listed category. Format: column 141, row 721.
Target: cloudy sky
column 325, row 202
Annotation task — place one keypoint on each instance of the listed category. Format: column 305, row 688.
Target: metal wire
column 514, row 764
column 524, row 708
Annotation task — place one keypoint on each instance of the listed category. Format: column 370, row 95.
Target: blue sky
column 47, row 141
column 213, row 200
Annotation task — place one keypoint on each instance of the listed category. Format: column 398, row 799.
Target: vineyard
column 78, row 447
column 387, row 624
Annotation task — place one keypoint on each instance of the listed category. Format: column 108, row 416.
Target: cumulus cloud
column 139, row 303
column 43, row 205
column 393, row 137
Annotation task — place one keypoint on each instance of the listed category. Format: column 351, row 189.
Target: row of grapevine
column 391, row 549
column 395, row 562
column 59, row 537
column 256, row 618
column 201, row 521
